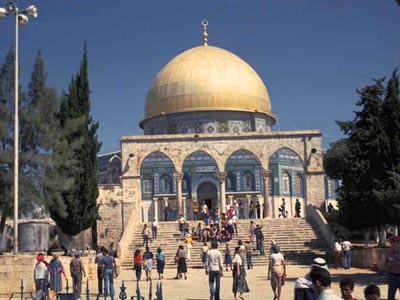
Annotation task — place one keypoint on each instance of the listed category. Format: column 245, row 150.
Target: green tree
column 79, row 209
column 364, row 160
column 6, row 139
column 37, row 116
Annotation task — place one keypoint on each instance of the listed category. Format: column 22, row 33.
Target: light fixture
column 21, row 18
column 3, row 12
column 31, row 10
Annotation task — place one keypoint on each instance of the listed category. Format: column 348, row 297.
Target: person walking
column 346, row 246
column 227, row 257
column 259, row 239
column 180, row 260
column 41, row 277
column 258, row 208
column 249, row 254
column 252, row 210
column 392, row 260
column 338, row 253
column 137, row 264
column 148, row 262
column 214, row 270
column 239, row 283
column 181, row 225
column 107, row 270
column 160, row 259
column 195, row 210
column 55, row 269
column 297, row 208
column 154, row 229
column 99, row 262
column 204, row 251
column 145, row 235
column 276, row 271
column 189, row 245
column 77, row 270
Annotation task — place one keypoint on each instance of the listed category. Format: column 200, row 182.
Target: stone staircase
column 299, row 241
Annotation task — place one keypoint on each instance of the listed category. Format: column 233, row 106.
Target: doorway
column 207, row 192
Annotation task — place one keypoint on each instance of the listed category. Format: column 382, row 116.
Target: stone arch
column 198, row 166
column 151, row 153
column 286, row 154
column 197, row 153
column 242, row 162
column 156, row 165
column 298, row 184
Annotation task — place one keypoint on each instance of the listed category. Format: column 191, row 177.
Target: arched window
column 298, row 185
column 247, row 182
column 333, row 188
column 285, row 183
column 147, row 185
column 165, row 184
column 230, row 182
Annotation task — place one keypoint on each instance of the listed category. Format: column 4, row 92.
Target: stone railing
column 127, row 235
column 17, row 267
column 316, row 217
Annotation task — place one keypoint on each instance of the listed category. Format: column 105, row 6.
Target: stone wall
column 306, row 144
column 15, row 268
column 114, row 213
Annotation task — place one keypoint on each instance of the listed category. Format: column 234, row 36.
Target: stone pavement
column 196, row 286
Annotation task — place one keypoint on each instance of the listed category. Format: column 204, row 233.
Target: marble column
column 165, row 207
column 266, row 175
column 184, row 206
column 248, row 197
column 178, row 178
column 230, row 197
column 221, row 178
column 155, row 200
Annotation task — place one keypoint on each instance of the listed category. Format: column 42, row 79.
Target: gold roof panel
column 207, row 78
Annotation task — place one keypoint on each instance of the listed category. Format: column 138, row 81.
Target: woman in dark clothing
column 181, row 261
column 160, row 263
column 137, row 260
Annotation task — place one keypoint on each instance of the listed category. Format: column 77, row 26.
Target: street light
column 21, row 18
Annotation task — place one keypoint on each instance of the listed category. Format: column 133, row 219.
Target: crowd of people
column 218, row 254
column 316, row 285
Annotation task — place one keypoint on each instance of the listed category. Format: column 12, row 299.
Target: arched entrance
column 207, row 192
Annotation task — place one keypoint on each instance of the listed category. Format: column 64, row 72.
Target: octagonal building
column 208, row 139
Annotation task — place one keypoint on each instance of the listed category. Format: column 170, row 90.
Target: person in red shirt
column 137, row 261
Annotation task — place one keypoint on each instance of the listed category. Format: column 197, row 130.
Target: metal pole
column 16, row 129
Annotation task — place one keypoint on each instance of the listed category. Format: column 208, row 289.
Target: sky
column 311, row 54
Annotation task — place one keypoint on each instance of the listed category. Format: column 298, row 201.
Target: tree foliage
column 6, row 135
column 367, row 161
column 75, row 209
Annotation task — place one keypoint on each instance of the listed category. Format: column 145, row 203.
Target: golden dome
column 207, row 78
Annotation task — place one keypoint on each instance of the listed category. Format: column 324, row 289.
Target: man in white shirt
column 40, row 277
column 321, row 284
column 338, row 253
column 214, row 270
column 346, row 246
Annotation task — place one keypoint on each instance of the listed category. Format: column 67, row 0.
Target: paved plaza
column 196, row 286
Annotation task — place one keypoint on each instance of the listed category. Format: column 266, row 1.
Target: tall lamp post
column 21, row 18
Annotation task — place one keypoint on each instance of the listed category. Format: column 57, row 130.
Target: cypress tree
column 37, row 116
column 6, row 136
column 79, row 165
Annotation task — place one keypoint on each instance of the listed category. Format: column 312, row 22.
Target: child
column 228, row 258
column 372, row 292
column 204, row 251
column 347, row 288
